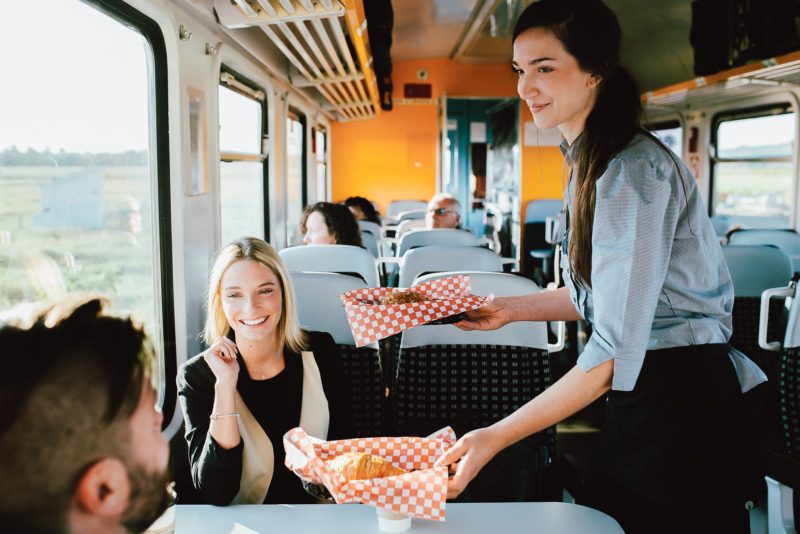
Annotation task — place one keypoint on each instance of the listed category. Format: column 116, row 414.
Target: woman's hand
column 474, row 450
column 221, row 358
column 492, row 315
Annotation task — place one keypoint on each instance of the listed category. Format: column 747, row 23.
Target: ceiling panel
column 426, row 29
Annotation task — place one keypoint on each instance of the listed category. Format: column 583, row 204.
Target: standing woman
column 261, row 376
column 643, row 266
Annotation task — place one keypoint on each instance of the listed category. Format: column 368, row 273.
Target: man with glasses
column 444, row 211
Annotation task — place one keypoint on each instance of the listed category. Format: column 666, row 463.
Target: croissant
column 359, row 466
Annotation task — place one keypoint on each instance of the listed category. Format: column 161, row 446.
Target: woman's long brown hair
column 590, row 32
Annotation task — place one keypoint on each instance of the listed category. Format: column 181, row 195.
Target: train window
column 671, row 134
column 752, row 168
column 84, row 163
column 242, row 170
column 296, row 194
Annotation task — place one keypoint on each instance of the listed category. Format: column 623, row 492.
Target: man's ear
column 104, row 489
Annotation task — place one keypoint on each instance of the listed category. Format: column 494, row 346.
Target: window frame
column 766, row 110
column 152, row 33
column 299, row 116
column 249, row 89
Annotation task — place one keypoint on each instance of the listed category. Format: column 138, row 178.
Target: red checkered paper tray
column 422, row 492
column 370, row 320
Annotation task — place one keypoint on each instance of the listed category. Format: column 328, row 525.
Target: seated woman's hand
column 221, row 358
column 492, row 315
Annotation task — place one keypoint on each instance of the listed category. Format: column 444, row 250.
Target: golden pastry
column 361, row 466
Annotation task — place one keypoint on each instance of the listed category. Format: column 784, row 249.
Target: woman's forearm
column 574, row 391
column 548, row 305
column 225, row 430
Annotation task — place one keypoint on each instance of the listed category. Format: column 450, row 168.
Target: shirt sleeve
column 634, row 227
column 335, row 384
column 216, row 471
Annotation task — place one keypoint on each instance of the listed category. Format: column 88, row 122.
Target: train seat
column 371, row 227
column 319, row 308
column 439, row 236
column 332, row 258
column 754, row 269
column 411, row 215
column 407, row 225
column 783, row 467
column 785, row 239
column 446, row 376
column 370, row 242
column 396, row 206
column 440, row 258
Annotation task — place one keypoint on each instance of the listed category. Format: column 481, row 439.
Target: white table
column 483, row 518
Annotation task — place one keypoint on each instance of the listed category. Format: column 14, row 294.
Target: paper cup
column 389, row 521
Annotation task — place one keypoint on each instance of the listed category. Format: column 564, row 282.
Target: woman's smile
column 254, row 322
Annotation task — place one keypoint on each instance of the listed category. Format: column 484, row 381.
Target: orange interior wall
column 394, row 156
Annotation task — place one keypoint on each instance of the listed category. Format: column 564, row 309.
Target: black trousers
column 674, row 453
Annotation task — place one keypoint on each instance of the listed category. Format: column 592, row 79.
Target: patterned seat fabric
column 363, row 367
column 745, row 338
column 467, row 386
column 472, row 386
column 790, row 400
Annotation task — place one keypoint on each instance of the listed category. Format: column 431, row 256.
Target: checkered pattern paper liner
column 422, row 492
column 370, row 320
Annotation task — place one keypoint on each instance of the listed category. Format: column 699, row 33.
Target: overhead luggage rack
column 311, row 34
column 738, row 82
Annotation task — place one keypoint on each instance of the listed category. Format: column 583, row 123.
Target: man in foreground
column 81, row 448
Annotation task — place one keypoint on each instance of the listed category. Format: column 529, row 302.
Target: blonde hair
column 251, row 248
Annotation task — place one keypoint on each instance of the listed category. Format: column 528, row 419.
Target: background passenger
column 81, row 448
column 363, row 210
column 643, row 265
column 325, row 223
column 444, row 211
column 261, row 376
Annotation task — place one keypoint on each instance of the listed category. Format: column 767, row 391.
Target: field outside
column 47, row 247
column 753, row 189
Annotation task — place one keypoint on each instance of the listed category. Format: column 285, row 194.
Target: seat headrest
column 318, row 304
column 519, row 334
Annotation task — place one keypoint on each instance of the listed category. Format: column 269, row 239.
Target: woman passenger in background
column 261, row 376
column 325, row 223
column 642, row 265
column 363, row 210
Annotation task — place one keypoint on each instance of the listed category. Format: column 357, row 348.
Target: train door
column 468, row 136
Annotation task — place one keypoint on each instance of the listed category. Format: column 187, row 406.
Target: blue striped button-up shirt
column 659, row 279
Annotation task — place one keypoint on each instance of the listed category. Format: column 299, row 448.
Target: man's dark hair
column 72, row 377
column 340, row 221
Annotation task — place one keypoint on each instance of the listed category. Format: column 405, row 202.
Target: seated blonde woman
column 261, row 376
